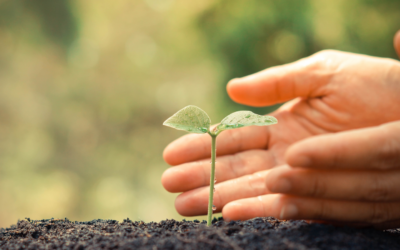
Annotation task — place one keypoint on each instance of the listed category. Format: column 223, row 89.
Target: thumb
column 396, row 42
column 303, row 78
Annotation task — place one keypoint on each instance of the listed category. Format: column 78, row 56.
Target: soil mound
column 258, row 233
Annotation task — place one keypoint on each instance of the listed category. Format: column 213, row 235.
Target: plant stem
column 211, row 196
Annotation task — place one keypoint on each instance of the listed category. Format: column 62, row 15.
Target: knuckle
column 311, row 63
column 389, row 153
column 257, row 183
column 219, row 200
column 321, row 63
column 235, row 164
column 337, row 156
column 325, row 55
column 326, row 52
column 379, row 213
column 236, row 138
column 318, row 188
column 393, row 70
column 322, row 211
column 378, row 189
column 389, row 148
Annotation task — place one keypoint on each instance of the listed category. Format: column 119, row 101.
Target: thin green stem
column 210, row 199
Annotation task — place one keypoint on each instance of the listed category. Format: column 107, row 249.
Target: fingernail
column 302, row 161
column 288, row 212
column 282, row 186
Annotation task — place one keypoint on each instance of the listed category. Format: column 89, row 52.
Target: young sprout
column 195, row 120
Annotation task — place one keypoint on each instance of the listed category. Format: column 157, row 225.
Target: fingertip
column 247, row 91
column 255, row 90
column 278, row 180
column 181, row 150
column 169, row 156
column 233, row 211
column 167, row 181
column 291, row 154
column 397, row 35
column 179, row 206
column 300, row 161
column 288, row 211
column 187, row 148
column 191, row 203
column 295, row 156
column 181, row 178
column 232, row 82
column 396, row 42
column 244, row 209
column 234, row 90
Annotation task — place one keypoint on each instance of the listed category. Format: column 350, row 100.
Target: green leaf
column 191, row 119
column 245, row 118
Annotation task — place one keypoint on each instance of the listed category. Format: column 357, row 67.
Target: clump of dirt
column 258, row 233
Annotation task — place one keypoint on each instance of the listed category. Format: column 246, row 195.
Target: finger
column 197, row 174
column 194, row 147
column 292, row 207
column 195, row 202
column 304, row 78
column 396, row 42
column 341, row 185
column 369, row 148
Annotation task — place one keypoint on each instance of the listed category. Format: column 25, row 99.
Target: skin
column 333, row 157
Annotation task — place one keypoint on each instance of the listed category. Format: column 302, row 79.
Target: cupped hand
column 332, row 92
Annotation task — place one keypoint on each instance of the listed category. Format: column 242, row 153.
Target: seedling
column 195, row 120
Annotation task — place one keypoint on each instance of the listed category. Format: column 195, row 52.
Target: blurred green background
column 86, row 85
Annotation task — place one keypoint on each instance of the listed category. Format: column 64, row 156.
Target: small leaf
column 245, row 118
column 191, row 119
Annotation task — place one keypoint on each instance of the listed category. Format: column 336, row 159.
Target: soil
column 258, row 233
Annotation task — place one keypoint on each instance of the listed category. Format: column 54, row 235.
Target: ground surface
column 259, row 233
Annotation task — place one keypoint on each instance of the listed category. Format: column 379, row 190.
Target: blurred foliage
column 86, row 85
column 55, row 19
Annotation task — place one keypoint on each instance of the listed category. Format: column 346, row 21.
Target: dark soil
column 259, row 233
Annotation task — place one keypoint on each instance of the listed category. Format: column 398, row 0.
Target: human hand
column 350, row 177
column 339, row 91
